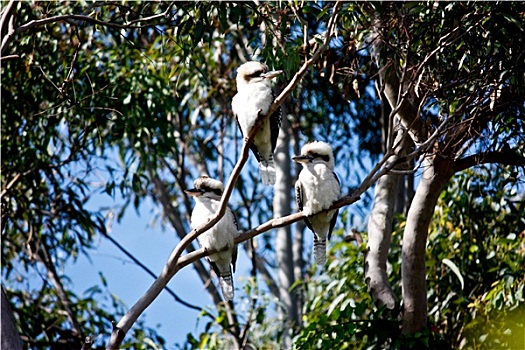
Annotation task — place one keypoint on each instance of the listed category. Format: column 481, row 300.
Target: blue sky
column 128, row 281
column 152, row 246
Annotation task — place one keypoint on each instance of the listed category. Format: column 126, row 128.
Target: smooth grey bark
column 437, row 172
column 421, row 207
column 298, row 266
column 8, row 332
column 379, row 237
column 380, row 224
column 283, row 237
column 405, row 192
column 298, row 240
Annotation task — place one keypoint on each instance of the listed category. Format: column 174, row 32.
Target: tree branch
column 176, row 262
column 7, row 30
column 506, row 157
column 172, row 266
column 12, row 32
column 44, row 257
column 149, row 272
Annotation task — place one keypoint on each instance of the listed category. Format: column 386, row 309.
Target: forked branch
column 173, row 264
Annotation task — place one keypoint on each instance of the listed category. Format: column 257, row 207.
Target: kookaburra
column 252, row 101
column 316, row 188
column 207, row 194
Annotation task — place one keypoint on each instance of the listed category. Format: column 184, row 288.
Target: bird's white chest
column 320, row 188
column 249, row 100
column 222, row 234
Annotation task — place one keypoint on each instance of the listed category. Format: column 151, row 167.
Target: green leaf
column 454, row 269
column 335, row 303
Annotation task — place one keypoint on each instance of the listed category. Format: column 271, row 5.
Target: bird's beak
column 302, row 159
column 271, row 74
column 194, row 192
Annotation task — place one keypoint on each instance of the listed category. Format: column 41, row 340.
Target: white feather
column 218, row 237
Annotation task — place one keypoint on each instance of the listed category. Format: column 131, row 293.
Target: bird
column 207, row 193
column 316, row 188
column 252, row 101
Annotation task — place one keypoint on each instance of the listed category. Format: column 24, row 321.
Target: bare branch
column 151, row 18
column 7, row 20
column 149, row 272
column 506, row 157
column 176, row 262
column 9, row 57
column 348, row 199
column 173, row 265
column 44, row 257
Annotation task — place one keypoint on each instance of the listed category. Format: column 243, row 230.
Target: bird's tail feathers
column 226, row 282
column 320, row 251
column 267, row 169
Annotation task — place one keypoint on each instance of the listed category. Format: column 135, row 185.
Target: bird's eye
column 217, row 192
column 255, row 74
column 324, row 157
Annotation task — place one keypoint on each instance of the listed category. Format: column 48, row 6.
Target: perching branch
column 176, row 262
column 173, row 264
column 346, row 200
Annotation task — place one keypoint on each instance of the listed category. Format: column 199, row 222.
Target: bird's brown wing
column 234, row 249
column 300, row 202
column 254, row 149
column 275, row 124
column 334, row 218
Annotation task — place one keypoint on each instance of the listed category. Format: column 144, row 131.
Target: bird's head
column 316, row 152
column 255, row 72
column 206, row 187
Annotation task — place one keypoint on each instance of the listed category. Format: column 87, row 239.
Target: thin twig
column 149, row 272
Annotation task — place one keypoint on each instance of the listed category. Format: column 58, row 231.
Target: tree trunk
column 380, row 224
column 437, row 172
column 9, row 333
column 298, row 237
column 283, row 238
column 379, row 236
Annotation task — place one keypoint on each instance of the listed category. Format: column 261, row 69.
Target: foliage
column 260, row 312
column 338, row 311
column 137, row 113
column 480, row 227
